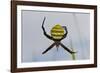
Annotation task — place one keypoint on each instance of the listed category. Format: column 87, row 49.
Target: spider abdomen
column 57, row 32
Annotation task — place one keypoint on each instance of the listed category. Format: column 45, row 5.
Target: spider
column 57, row 41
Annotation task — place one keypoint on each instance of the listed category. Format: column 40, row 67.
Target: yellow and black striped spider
column 57, row 34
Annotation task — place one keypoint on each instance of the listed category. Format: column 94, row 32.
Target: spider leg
column 51, row 46
column 47, row 35
column 67, row 49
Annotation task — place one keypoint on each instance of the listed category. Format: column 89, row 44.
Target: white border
column 57, row 63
